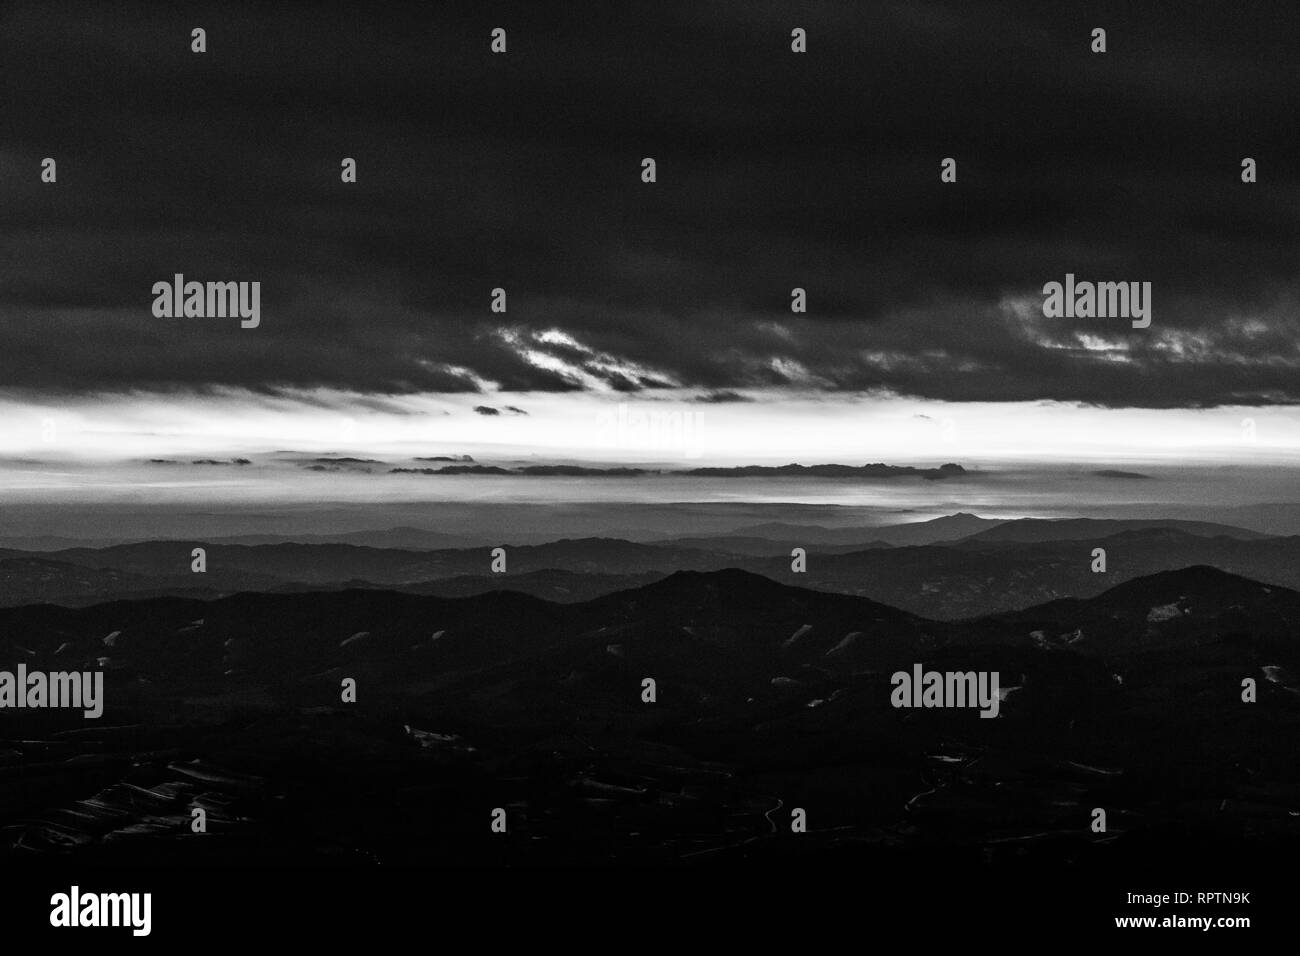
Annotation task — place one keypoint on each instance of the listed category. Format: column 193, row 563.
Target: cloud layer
column 775, row 171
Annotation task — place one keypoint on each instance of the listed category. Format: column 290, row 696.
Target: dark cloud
column 490, row 410
column 722, row 398
column 776, row 170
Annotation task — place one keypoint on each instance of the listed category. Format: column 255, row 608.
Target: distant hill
column 976, row 577
column 956, row 579
column 1026, row 530
column 414, row 539
column 327, row 563
column 553, row 585
column 758, row 546
column 38, row 580
column 1117, row 473
column 1185, row 608
column 946, row 528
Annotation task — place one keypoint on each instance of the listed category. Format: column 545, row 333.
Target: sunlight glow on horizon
column 665, row 428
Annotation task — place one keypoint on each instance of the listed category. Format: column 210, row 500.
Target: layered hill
column 765, row 697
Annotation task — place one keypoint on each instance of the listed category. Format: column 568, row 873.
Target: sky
column 924, row 338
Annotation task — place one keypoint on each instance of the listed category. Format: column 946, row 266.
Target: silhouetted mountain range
column 1009, row 566
column 1087, row 529
column 877, row 470
column 768, row 697
column 946, row 528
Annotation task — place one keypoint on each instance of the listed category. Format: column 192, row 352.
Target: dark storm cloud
column 775, row 170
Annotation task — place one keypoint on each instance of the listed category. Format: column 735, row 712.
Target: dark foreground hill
column 767, row 698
